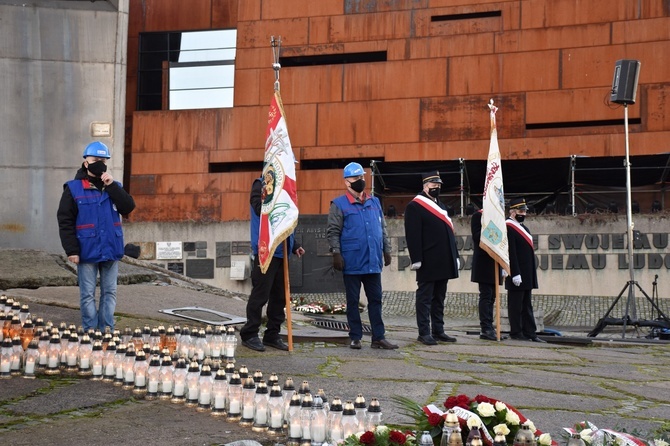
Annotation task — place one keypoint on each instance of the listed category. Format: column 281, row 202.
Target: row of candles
column 196, row 368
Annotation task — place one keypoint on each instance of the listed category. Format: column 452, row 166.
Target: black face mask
column 520, row 218
column 358, row 185
column 434, row 192
column 97, row 168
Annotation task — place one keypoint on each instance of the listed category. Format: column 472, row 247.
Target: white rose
column 500, row 406
column 486, row 409
column 585, row 434
column 473, row 422
column 512, row 418
column 381, row 429
column 545, row 439
column 530, row 425
column 660, row 442
column 501, row 429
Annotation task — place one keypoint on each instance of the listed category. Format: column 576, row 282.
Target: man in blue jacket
column 360, row 245
column 89, row 222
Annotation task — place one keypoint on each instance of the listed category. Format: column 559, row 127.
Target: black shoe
column 276, row 343
column 443, row 337
column 355, row 344
column 519, row 338
column 384, row 344
column 254, row 344
column 427, row 340
column 536, row 339
column 489, row 336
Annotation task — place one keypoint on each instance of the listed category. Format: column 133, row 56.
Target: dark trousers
column 372, row 284
column 430, row 307
column 267, row 289
column 486, row 301
column 520, row 313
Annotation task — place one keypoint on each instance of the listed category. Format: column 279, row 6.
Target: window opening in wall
column 333, row 59
column 201, row 68
column 580, row 124
column 465, row 16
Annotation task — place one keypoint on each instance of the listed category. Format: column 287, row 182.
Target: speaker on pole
column 624, row 84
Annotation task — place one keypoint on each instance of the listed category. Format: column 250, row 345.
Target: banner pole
column 287, row 294
column 497, row 291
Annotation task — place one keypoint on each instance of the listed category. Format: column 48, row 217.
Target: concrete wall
column 62, row 67
column 581, row 256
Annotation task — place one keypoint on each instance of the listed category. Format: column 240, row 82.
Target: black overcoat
column 521, row 259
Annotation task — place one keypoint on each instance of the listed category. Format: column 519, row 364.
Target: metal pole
column 276, row 48
column 629, row 218
column 372, row 177
column 462, row 164
column 572, row 181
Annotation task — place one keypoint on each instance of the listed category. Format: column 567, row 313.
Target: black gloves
column 387, row 258
column 338, row 261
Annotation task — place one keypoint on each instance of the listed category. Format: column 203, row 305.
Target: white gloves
column 504, row 274
column 458, row 263
column 415, row 266
column 516, row 280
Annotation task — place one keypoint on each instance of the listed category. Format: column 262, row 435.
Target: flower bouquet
column 490, row 416
column 592, row 436
column 381, row 436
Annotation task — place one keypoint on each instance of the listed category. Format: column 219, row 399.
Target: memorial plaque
column 241, row 248
column 313, row 273
column 176, row 267
column 201, row 245
column 202, row 253
column 168, row 251
column 223, row 255
column 189, row 246
column 200, row 268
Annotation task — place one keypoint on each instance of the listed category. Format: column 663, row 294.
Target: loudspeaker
column 624, row 84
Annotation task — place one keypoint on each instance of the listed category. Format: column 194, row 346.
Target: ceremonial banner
column 494, row 231
column 279, row 211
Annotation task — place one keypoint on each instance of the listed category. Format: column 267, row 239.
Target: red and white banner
column 494, row 231
column 279, row 211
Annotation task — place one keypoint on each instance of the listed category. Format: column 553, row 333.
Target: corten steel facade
column 548, row 64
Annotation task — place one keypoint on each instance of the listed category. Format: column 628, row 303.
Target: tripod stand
column 631, row 284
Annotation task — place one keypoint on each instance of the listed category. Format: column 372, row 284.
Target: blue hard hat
column 97, row 149
column 353, row 170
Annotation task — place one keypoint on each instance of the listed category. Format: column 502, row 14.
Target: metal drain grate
column 337, row 325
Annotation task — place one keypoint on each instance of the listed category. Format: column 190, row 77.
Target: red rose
column 463, row 401
column 368, row 438
column 397, row 437
column 434, row 419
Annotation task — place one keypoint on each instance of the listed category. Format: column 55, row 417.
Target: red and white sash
column 520, row 229
column 434, row 209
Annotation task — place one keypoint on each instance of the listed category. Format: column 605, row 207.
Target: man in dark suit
column 483, row 273
column 523, row 275
column 432, row 249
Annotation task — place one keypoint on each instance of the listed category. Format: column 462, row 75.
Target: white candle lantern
column 153, row 378
column 128, row 368
column 349, row 421
column 305, row 418
column 140, row 372
column 374, row 415
column 205, row 382
column 208, row 333
column 84, row 367
column 24, row 314
column 6, row 358
column 275, row 410
column 234, row 400
column 17, row 357
column 108, row 369
column 170, row 340
column 335, row 422
column 288, row 390
column 166, row 377
column 97, row 357
column 294, row 423
column 119, row 360
column 216, row 343
column 230, row 343
column 72, row 353
column 361, row 410
column 318, row 421
column 261, row 407
column 43, row 348
column 64, row 342
column 155, row 339
column 179, row 379
column 219, row 392
column 146, row 334
column 53, row 355
column 230, row 369
column 137, row 341
column 248, row 395
column 192, row 388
